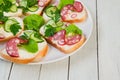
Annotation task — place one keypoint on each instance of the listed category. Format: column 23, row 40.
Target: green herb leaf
column 31, row 46
column 49, row 31
column 73, row 29
column 31, row 3
column 33, row 22
column 14, row 28
column 3, row 18
column 64, row 2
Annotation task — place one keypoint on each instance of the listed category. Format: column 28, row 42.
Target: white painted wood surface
column 109, row 39
column 99, row 59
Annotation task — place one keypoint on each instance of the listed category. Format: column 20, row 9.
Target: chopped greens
column 49, row 31
column 5, row 5
column 29, row 5
column 14, row 28
column 3, row 18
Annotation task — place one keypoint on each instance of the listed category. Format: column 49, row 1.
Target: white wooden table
column 99, row 59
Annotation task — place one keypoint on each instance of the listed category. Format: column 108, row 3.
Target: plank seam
column 40, row 72
column 68, row 75
column 97, row 38
column 10, row 71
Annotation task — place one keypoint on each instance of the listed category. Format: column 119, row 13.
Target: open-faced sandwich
column 66, row 38
column 10, row 8
column 28, row 47
column 10, row 27
column 70, row 11
column 33, row 6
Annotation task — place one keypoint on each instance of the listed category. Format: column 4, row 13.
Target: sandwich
column 11, row 27
column 28, row 47
column 66, row 38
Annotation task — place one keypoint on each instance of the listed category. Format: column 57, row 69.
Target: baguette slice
column 63, row 48
column 9, row 35
column 40, row 10
column 26, row 57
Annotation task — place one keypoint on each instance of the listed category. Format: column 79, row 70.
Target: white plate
column 54, row 55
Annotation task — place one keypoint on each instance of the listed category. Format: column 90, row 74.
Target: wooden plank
column 109, row 39
column 83, row 65
column 25, row 72
column 55, row 71
column 4, row 70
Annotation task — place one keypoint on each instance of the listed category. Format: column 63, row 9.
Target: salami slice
column 70, row 12
column 73, row 39
column 11, row 46
column 42, row 3
column 78, row 6
column 62, row 42
column 59, row 35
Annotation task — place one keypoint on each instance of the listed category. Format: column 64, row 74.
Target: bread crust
column 7, row 38
column 37, row 57
column 76, row 46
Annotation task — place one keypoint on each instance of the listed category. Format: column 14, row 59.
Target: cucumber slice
column 36, row 39
column 23, row 3
column 50, row 11
column 13, row 8
column 8, row 23
column 33, row 8
column 29, row 32
column 59, row 24
column 52, row 23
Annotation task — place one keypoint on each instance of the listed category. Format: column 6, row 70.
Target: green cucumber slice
column 50, row 11
column 28, row 32
column 36, row 39
column 33, row 8
column 59, row 24
column 13, row 8
column 8, row 23
column 52, row 23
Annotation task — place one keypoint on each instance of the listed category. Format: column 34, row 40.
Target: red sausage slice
column 42, row 3
column 59, row 35
column 73, row 39
column 11, row 46
column 78, row 6
column 62, row 42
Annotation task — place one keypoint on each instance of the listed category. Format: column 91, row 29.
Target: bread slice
column 26, row 57
column 67, row 48
column 9, row 35
column 64, row 48
column 40, row 10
